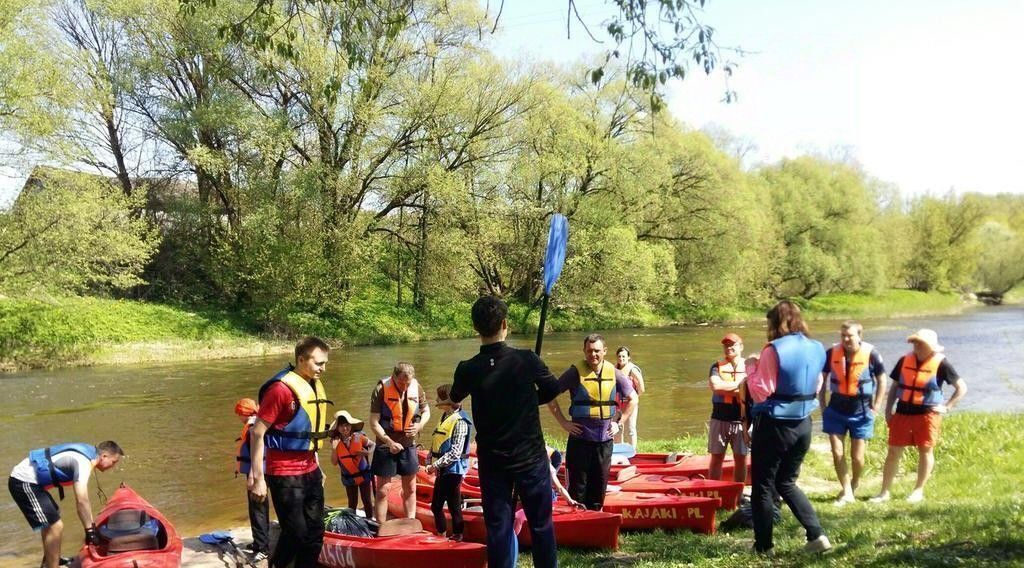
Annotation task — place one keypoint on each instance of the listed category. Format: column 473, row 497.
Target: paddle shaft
column 543, row 320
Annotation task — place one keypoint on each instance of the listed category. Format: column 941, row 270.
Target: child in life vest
column 351, row 450
column 259, row 512
column 449, row 461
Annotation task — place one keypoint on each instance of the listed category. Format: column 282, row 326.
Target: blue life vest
column 49, row 475
column 796, row 387
column 442, row 440
column 308, row 427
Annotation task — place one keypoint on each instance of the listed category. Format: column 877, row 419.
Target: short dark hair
column 403, row 368
column 110, row 447
column 622, row 350
column 594, row 338
column 488, row 313
column 305, row 347
column 784, row 318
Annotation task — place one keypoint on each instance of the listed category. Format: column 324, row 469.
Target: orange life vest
column 399, row 409
column 849, row 384
column 730, row 373
column 353, row 465
column 918, row 383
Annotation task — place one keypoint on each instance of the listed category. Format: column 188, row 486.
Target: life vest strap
column 299, row 435
column 595, row 403
column 243, row 459
column 53, row 473
column 905, row 386
column 792, row 397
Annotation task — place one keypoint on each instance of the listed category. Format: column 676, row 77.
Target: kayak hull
column 424, row 550
column 574, row 528
column 644, row 511
column 167, row 556
column 728, row 492
column 689, row 466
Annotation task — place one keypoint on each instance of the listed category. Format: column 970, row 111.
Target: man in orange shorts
column 917, row 392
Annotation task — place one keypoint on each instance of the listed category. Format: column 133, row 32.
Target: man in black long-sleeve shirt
column 507, row 386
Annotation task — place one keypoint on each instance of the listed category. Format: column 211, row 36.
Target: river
column 177, row 426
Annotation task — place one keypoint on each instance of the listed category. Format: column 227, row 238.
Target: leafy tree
column 72, row 233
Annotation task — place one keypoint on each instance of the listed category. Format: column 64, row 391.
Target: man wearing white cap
column 917, row 391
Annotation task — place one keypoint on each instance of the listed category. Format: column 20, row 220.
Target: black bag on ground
column 743, row 517
column 346, row 521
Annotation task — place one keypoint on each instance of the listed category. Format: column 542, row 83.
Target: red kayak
column 574, row 528
column 658, row 511
column 728, row 492
column 423, row 550
column 132, row 534
column 677, row 464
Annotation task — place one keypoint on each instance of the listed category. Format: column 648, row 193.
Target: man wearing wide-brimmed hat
column 918, row 378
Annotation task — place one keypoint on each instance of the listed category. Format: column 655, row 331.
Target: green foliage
column 825, row 212
column 365, row 171
column 1001, row 262
column 72, row 233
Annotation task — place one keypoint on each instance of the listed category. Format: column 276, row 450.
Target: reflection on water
column 177, row 424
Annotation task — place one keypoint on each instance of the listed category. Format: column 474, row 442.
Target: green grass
column 973, row 515
column 85, row 331
column 885, row 303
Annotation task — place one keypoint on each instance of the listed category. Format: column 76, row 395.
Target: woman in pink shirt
column 784, row 383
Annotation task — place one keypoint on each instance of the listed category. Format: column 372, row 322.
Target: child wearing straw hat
column 351, row 450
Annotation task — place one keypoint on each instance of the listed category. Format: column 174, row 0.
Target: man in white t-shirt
column 59, row 466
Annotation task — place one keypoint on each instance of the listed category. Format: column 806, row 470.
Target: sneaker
column 820, row 545
column 844, row 499
column 916, row 496
column 763, row 553
column 63, row 561
column 880, row 498
column 260, row 560
column 456, row 538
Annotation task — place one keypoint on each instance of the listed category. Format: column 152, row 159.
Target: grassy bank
column 87, row 331
column 973, row 514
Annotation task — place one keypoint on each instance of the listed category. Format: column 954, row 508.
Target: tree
column 1001, row 260
column 72, row 233
column 942, row 252
column 826, row 214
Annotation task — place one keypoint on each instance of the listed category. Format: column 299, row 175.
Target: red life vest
column 731, row 373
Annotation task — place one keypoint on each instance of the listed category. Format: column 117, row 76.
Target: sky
column 926, row 95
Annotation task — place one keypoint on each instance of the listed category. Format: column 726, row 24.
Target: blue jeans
column 533, row 487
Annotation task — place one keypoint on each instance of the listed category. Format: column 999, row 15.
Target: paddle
column 623, row 449
column 219, row 539
column 554, row 258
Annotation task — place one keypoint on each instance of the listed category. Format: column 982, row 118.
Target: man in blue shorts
column 855, row 377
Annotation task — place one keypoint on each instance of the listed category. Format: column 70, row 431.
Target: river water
column 177, row 425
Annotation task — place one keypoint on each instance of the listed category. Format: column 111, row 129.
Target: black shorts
column 36, row 504
column 387, row 464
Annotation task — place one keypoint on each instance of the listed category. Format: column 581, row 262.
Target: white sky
column 926, row 93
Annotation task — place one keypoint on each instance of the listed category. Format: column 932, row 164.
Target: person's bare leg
column 857, row 448
column 51, row 544
column 739, row 472
column 925, row 463
column 380, row 498
column 839, row 462
column 409, row 495
column 715, row 466
column 892, row 463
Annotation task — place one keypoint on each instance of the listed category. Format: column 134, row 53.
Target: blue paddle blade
column 216, row 537
column 554, row 257
column 623, row 449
